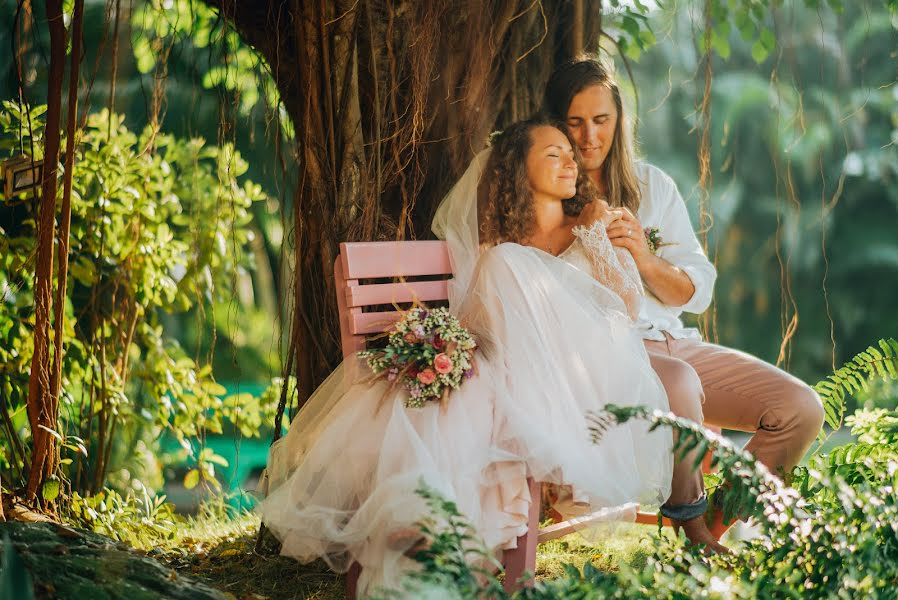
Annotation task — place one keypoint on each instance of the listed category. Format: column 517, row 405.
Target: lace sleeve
column 612, row 267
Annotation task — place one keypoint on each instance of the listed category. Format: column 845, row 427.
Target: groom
column 704, row 382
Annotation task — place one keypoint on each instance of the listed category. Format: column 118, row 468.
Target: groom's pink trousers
column 734, row 390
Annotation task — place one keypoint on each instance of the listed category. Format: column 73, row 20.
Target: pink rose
column 427, row 376
column 442, row 363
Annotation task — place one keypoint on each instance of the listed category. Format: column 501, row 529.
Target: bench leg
column 352, row 580
column 523, row 558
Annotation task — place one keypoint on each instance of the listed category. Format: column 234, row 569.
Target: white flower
column 720, row 586
column 853, row 164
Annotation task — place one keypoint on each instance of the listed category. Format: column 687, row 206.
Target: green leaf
column 191, row 479
column 758, row 52
column 51, row 432
column 853, row 377
column 648, row 37
column 745, row 25
column 146, row 60
column 208, row 455
column 214, row 389
column 50, row 490
column 631, row 26
column 768, row 39
column 720, row 44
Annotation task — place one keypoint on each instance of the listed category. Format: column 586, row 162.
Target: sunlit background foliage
column 181, row 268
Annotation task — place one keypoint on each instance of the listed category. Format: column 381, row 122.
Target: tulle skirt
column 553, row 346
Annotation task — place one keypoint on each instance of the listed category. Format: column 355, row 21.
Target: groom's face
column 591, row 120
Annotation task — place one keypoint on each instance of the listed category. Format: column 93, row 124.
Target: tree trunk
column 390, row 100
column 65, row 221
column 42, row 406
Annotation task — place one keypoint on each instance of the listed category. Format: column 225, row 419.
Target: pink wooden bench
column 406, row 261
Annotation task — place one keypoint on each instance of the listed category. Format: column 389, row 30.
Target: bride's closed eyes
column 551, row 166
column 556, row 151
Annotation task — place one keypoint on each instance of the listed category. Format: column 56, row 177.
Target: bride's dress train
column 555, row 342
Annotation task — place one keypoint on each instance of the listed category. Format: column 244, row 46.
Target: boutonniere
column 654, row 240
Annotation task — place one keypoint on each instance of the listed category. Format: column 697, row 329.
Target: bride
column 550, row 307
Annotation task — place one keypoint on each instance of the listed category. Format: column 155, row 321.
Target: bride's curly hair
column 504, row 198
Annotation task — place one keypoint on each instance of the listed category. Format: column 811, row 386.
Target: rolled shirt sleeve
column 681, row 247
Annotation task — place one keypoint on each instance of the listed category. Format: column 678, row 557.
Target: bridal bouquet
column 428, row 351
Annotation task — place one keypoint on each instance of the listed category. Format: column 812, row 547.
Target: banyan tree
column 389, row 101
column 379, row 106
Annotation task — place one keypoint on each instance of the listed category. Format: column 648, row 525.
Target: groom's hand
column 627, row 232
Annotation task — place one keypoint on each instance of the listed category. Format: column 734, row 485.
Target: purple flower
column 469, row 373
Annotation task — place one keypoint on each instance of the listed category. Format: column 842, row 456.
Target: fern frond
column 855, row 458
column 611, row 416
column 750, row 487
column 881, row 362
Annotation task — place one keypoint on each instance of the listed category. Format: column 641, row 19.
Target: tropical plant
column 833, row 535
column 131, row 518
column 846, row 549
column 802, row 173
column 159, row 225
column 854, row 376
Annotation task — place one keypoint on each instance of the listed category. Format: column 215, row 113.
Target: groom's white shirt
column 663, row 207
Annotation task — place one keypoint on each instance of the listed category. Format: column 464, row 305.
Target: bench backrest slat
column 390, row 293
column 375, row 260
column 363, row 260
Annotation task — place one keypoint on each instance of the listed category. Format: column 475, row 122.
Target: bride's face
column 551, row 167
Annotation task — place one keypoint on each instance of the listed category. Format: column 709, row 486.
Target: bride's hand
column 598, row 210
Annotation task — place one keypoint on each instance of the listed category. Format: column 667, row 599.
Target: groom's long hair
column 618, row 169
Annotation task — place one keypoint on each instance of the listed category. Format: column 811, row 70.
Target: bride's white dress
column 555, row 342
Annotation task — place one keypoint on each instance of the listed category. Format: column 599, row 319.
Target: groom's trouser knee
column 682, row 384
column 744, row 393
column 786, row 433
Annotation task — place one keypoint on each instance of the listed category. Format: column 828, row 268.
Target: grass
column 219, row 548
column 627, row 543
